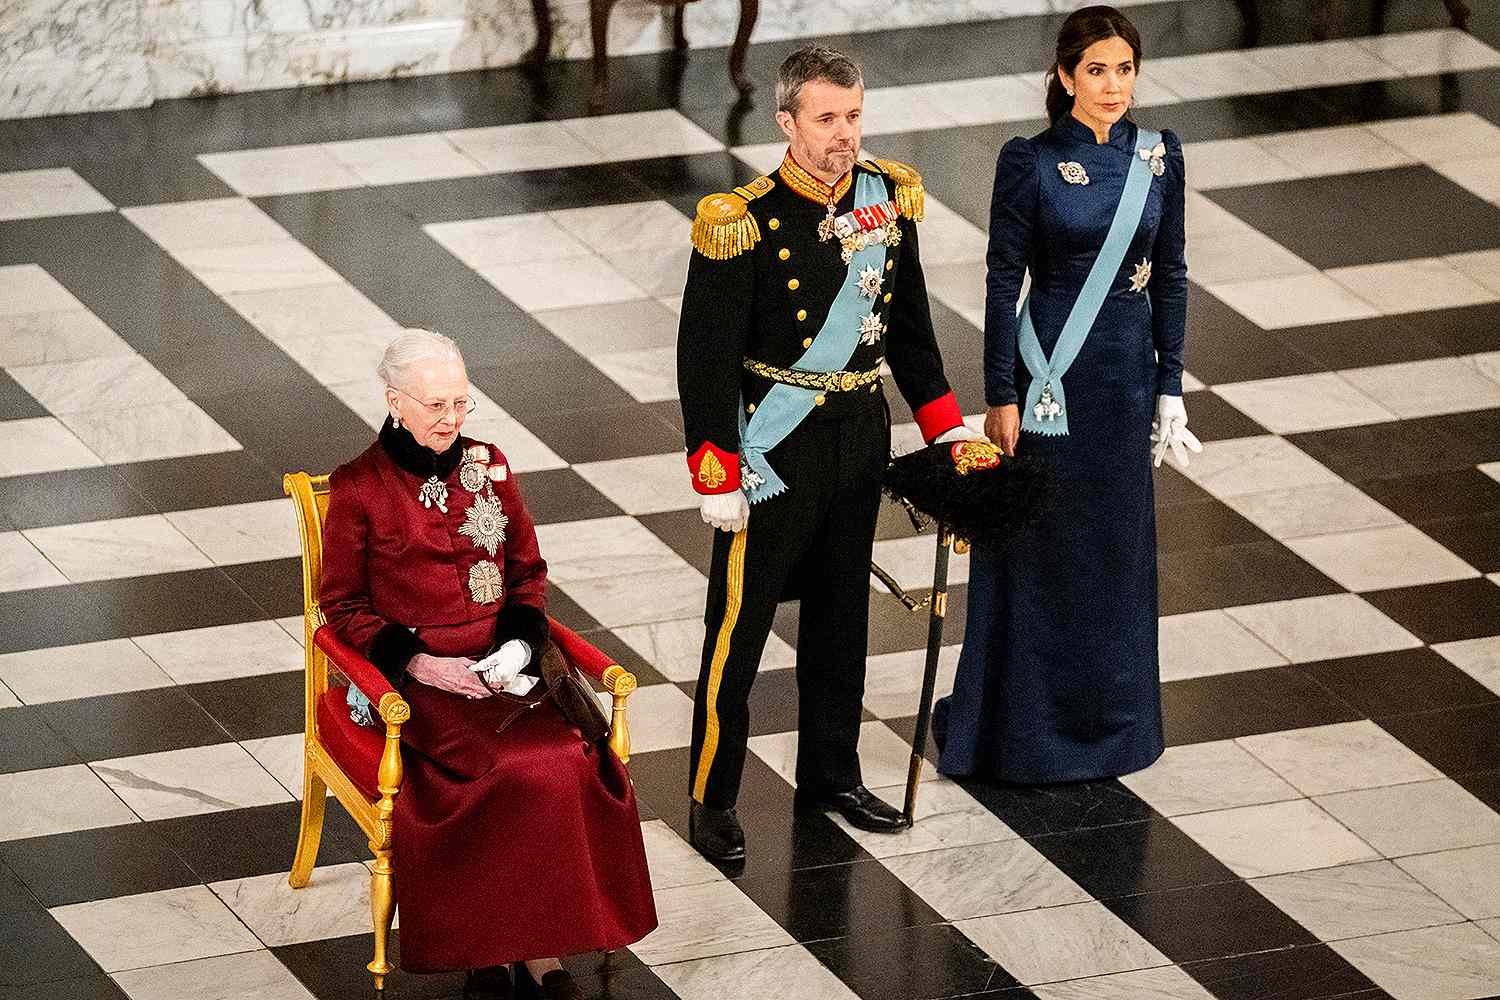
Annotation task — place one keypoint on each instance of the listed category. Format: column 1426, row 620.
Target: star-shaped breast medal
column 870, row 280
column 870, row 329
column 484, row 524
column 1141, row 277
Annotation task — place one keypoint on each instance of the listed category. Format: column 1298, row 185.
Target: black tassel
column 987, row 507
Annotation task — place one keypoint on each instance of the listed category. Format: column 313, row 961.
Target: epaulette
column 911, row 196
column 724, row 227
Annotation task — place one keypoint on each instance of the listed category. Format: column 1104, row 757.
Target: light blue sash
column 1047, row 373
column 786, row 406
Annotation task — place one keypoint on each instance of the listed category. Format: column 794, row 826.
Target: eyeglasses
column 437, row 409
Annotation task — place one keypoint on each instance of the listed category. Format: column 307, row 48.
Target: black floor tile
column 1401, row 682
column 1226, row 706
column 49, row 616
column 1203, row 524
column 1224, row 346
column 773, row 701
column 16, row 403
column 241, row 843
column 1032, row 811
column 1475, row 539
column 834, row 901
column 1455, row 740
column 96, row 987
column 274, row 585
column 1456, row 441
column 44, row 499
column 169, row 602
column 634, row 983
column 27, row 742
column 566, row 610
column 134, row 722
column 215, row 480
column 1210, row 921
column 661, row 784
column 1253, row 573
column 1169, row 485
column 1127, row 859
column 1414, row 336
column 556, row 495
column 35, row 949
column 1444, row 612
column 922, row 962
column 97, row 864
column 607, row 642
column 1431, row 496
column 684, row 180
column 779, row 838
column 1484, row 786
column 894, row 628
column 334, row 969
column 574, row 187
column 598, row 434
column 1310, row 972
column 1212, row 418
column 252, row 708
column 685, row 533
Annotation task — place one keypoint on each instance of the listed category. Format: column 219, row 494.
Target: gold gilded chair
column 360, row 766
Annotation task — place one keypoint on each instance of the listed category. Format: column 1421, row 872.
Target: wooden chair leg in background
column 749, row 11
column 543, row 18
column 310, row 834
column 679, row 33
column 599, row 11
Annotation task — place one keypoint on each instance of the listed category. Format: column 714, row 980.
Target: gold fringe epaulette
column 911, row 195
column 724, row 227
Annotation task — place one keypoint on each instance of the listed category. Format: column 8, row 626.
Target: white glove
column 501, row 667
column 1169, row 430
column 963, row 432
column 726, row 511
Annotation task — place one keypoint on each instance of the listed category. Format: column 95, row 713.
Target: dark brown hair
column 1083, row 28
column 809, row 63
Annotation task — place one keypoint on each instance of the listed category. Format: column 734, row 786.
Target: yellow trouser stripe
column 734, row 586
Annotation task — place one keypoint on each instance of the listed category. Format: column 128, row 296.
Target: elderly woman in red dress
column 518, row 838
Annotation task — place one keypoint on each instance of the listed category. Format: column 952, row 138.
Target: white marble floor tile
column 642, row 134
column 338, row 358
column 335, row 903
column 1061, row 942
column 949, row 238
column 41, row 444
column 1381, row 558
column 54, row 337
column 672, row 860
column 86, row 670
column 1459, row 962
column 675, row 647
column 50, row 800
column 336, row 307
column 788, row 971
column 1295, row 300
column 523, row 146
column 1205, row 219
column 213, row 222
column 1207, row 777
column 1427, row 388
column 1437, row 138
column 1297, row 403
column 1275, row 838
column 190, row 781
column 1405, row 286
column 1255, row 464
column 661, row 717
column 764, row 157
column 947, row 816
column 911, row 560
column 1480, row 174
column 1243, row 256
column 645, row 225
column 1215, row 74
column 1322, row 64
column 250, row 975
column 1220, row 163
column 126, row 546
column 22, row 567
column 1490, row 927
column 1308, row 629
column 660, row 272
column 112, row 382
column 561, row 284
column 1168, row 983
column 983, row 879
column 699, row 921
column 402, row 159
column 1468, row 879
column 980, row 101
column 175, row 925
column 37, row 194
column 599, row 547
column 1425, row 53
column 884, row 757
column 144, row 433
column 283, row 263
column 1415, row 818
column 1481, row 266
column 635, row 325
column 1479, row 658
column 1300, row 511
column 1491, row 469
column 505, row 239
column 8, row 698
column 256, row 173
column 618, row 600
column 649, row 484
column 1487, row 363
column 1341, row 149
column 893, row 681
column 244, row 532
column 282, row 756
column 28, row 288
column 903, row 109
column 960, row 287
column 1372, row 897
column 649, row 376
column 1151, row 92
column 1339, row 758
column 222, row 652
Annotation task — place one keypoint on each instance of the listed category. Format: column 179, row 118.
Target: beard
column 835, row 161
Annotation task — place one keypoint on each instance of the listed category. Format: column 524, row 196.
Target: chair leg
column 749, row 12
column 310, row 834
column 382, row 908
column 599, row 11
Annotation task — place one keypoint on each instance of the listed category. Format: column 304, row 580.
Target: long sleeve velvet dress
column 1058, row 679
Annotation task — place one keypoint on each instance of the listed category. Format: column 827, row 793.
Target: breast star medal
column 484, row 523
column 870, row 329
column 870, row 280
column 434, row 493
column 485, row 582
column 1073, row 172
column 1141, row 277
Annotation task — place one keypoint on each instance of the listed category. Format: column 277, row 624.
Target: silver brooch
column 870, row 329
column 1141, row 277
column 484, row 524
column 1047, row 408
column 485, row 582
column 1073, row 172
column 471, row 476
column 434, row 493
column 870, row 280
column 1156, row 156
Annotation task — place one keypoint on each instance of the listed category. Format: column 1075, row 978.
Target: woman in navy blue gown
column 1058, row 679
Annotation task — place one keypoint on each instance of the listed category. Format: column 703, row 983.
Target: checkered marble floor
column 192, row 301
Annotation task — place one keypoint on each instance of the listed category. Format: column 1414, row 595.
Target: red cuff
column 714, row 470
column 937, row 416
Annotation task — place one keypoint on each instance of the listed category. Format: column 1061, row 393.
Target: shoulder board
column 724, row 227
column 911, row 195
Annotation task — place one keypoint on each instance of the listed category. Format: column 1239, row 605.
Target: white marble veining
column 1338, row 758
column 283, row 757
column 911, row 561
column 256, row 173
column 1297, row 403
column 125, row 546
column 1242, row 256
column 174, row 925
column 661, row 717
column 1459, row 962
column 1380, row 558
column 44, row 801
column 28, row 288
column 1293, row 300
column 505, row 239
column 250, row 975
column 86, row 670
column 192, row 780
column 884, row 757
column 631, row 226
column 648, row 484
column 1061, row 942
column 710, row 918
column 1308, row 629
column 649, row 376
column 142, row 433
column 403, row 159
column 616, row 600
column 280, row 263
column 182, row 227
column 636, row 325
column 23, row 567
column 1468, row 879
column 1422, row 53
column 893, row 681
column 1253, row 464
column 1169, row 983
column 1203, row 643
column 221, row 652
column 598, row 548
column 1372, row 897
column 32, row 194
column 675, row 647
column 673, row 862
column 998, row 877
column 335, row 903
column 41, row 444
column 1275, row 838
column 1298, row 512
column 309, row 309
column 524, row 146
column 788, row 971
column 1415, row 818
column 1204, row 777
column 112, row 382
column 947, row 816
column 1427, row 388
column 244, row 532
column 1439, row 138
column 54, row 337
column 561, row 284
column 1406, row 286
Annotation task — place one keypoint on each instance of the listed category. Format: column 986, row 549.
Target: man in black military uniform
column 800, row 285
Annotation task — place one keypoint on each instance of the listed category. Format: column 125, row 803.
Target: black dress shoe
column 491, row 983
column 716, row 834
column 861, row 807
column 558, row 984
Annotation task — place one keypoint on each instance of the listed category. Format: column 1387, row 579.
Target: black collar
column 417, row 459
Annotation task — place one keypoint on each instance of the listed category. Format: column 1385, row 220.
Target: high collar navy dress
column 1058, row 679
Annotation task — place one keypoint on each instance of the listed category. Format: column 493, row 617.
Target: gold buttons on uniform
column 784, row 254
column 801, row 315
column 874, row 386
column 889, row 264
column 750, row 408
column 794, row 284
column 887, row 296
column 774, row 223
column 820, row 399
column 807, row 342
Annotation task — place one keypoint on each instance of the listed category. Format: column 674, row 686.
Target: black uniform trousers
column 812, row 542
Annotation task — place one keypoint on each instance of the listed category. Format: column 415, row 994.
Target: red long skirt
column 515, row 845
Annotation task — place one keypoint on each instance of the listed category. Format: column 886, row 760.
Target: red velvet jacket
column 391, row 564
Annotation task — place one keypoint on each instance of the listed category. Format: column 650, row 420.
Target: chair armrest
column 582, row 653
column 364, row 675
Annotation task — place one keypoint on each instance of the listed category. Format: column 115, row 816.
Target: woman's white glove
column 501, row 667
column 1170, row 430
column 726, row 511
column 963, row 432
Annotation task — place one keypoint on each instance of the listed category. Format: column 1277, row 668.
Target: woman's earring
column 1068, row 92
column 396, row 421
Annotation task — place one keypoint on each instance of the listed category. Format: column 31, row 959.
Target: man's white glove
column 1170, row 430
column 726, row 511
column 501, row 667
column 963, row 432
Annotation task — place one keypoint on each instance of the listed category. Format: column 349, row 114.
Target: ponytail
column 1059, row 101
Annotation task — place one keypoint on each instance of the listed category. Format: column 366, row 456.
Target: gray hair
column 809, row 63
column 410, row 349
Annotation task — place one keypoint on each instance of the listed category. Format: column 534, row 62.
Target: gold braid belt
column 822, row 381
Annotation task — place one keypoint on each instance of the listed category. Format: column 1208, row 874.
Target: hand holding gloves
column 1169, row 431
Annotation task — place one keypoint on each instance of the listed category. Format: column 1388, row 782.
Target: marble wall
column 65, row 56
